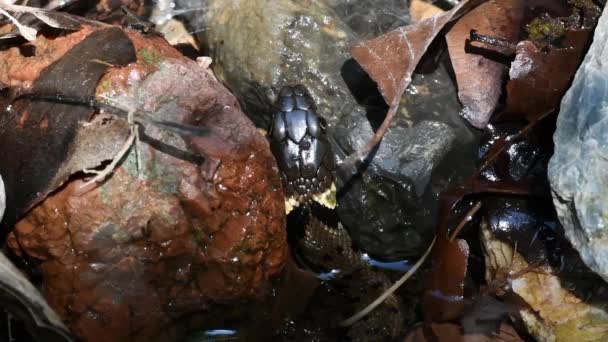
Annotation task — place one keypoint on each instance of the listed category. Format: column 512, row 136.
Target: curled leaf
column 28, row 27
column 443, row 299
column 26, row 31
column 540, row 78
column 390, row 60
column 480, row 77
column 50, row 134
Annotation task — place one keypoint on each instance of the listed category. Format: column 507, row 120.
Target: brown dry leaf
column 390, row 60
column 480, row 78
column 50, row 134
column 550, row 301
column 31, row 19
column 540, row 78
column 443, row 298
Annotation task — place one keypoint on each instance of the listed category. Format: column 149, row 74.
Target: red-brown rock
column 148, row 252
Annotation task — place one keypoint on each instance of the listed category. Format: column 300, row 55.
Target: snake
column 299, row 142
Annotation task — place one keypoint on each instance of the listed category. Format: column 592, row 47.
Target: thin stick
column 508, row 141
column 89, row 101
column 361, row 154
column 493, row 41
column 354, row 318
column 468, row 217
column 9, row 318
column 101, row 175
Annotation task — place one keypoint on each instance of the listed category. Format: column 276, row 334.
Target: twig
column 359, row 156
column 101, row 175
column 134, row 131
column 9, row 319
column 179, row 128
column 468, row 217
column 354, row 318
column 493, row 41
column 115, row 107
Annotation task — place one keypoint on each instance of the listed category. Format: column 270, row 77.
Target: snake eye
column 322, row 123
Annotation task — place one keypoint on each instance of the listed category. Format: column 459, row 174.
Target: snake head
column 299, row 143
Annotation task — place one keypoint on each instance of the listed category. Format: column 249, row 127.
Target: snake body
column 305, row 159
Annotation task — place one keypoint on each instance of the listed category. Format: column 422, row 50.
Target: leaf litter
column 391, row 59
column 538, row 77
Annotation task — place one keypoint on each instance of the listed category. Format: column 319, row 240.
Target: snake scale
column 298, row 140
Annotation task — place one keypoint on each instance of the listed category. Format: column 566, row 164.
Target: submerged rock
column 259, row 46
column 577, row 170
column 371, row 18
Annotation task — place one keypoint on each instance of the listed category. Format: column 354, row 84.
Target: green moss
column 248, row 247
column 164, row 178
column 545, row 30
column 199, row 234
column 150, row 57
column 104, row 87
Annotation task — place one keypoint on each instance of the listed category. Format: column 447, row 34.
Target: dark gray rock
column 390, row 209
column 578, row 169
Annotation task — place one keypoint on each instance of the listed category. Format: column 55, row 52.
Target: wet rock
column 369, row 18
column 148, row 253
column 577, row 170
column 390, row 209
column 296, row 43
column 308, row 43
column 525, row 158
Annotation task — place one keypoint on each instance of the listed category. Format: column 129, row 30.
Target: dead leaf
column 21, row 299
column 390, row 60
column 540, row 78
column 24, row 30
column 443, row 299
column 480, row 78
column 45, row 142
column 31, row 18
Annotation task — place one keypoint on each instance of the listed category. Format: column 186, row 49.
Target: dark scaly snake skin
column 304, row 157
column 300, row 146
column 329, row 247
